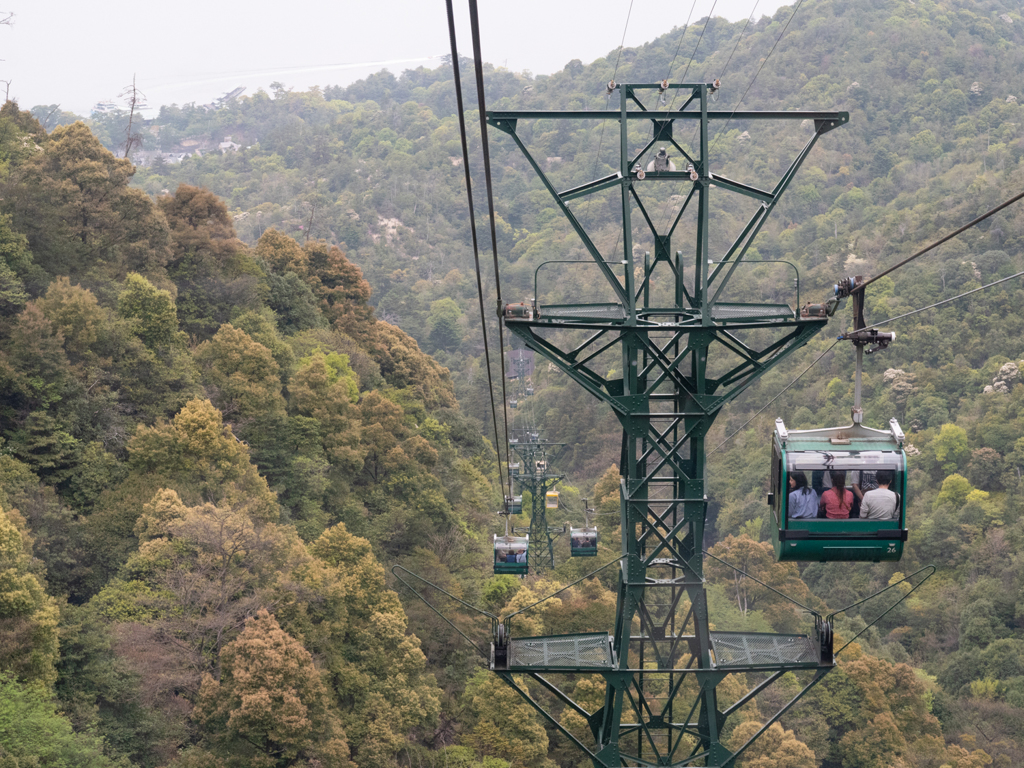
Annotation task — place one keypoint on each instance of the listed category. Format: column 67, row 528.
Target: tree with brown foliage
column 215, row 275
column 344, row 294
column 270, row 707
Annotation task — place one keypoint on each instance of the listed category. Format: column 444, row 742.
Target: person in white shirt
column 880, row 503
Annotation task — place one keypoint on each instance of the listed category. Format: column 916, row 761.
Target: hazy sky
column 76, row 53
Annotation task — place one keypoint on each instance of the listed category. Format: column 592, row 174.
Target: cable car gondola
column 513, row 403
column 551, row 500
column 512, row 554
column 583, row 541
column 863, row 457
column 513, row 468
column 513, row 505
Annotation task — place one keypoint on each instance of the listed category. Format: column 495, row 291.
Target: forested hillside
column 239, row 386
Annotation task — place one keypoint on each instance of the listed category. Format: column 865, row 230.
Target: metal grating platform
column 725, row 311
column 590, row 651
column 751, row 649
column 582, row 311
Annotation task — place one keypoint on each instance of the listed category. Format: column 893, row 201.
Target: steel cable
column 940, row 241
column 472, row 224
column 474, row 23
column 868, row 327
column 754, row 78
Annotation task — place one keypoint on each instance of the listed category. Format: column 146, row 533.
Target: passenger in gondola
column 861, row 482
column 880, row 503
column 837, row 501
column 520, row 556
column 803, row 501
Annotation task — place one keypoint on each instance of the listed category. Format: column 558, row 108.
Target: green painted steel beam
column 838, row 118
column 666, row 392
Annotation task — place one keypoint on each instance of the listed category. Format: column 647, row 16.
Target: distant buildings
column 103, row 107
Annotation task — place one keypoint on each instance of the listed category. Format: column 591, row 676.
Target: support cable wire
column 491, row 616
column 472, row 227
column 750, row 85
column 904, row 580
column 794, row 381
column 474, row 23
column 694, row 54
column 940, row 241
column 866, row 328
column 686, row 26
column 738, row 40
column 767, row 586
column 608, row 100
column 936, row 304
column 623, row 41
column 511, row 616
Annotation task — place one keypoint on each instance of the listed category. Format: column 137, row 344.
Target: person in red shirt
column 837, row 501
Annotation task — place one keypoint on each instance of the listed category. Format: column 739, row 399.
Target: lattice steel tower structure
column 679, row 352
column 536, row 476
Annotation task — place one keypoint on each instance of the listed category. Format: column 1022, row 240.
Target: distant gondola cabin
column 512, row 554
column 867, row 522
column 551, row 500
column 514, row 505
column 583, row 541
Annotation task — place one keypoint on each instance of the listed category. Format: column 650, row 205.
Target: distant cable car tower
column 537, row 477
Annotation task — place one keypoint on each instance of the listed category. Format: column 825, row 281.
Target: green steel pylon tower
column 677, row 352
column 535, row 475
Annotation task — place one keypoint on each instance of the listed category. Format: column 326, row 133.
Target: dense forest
column 241, row 383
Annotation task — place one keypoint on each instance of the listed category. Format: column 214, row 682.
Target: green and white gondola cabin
column 860, row 452
column 512, row 554
column 583, row 542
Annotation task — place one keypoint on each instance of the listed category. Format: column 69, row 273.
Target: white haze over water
column 76, row 54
